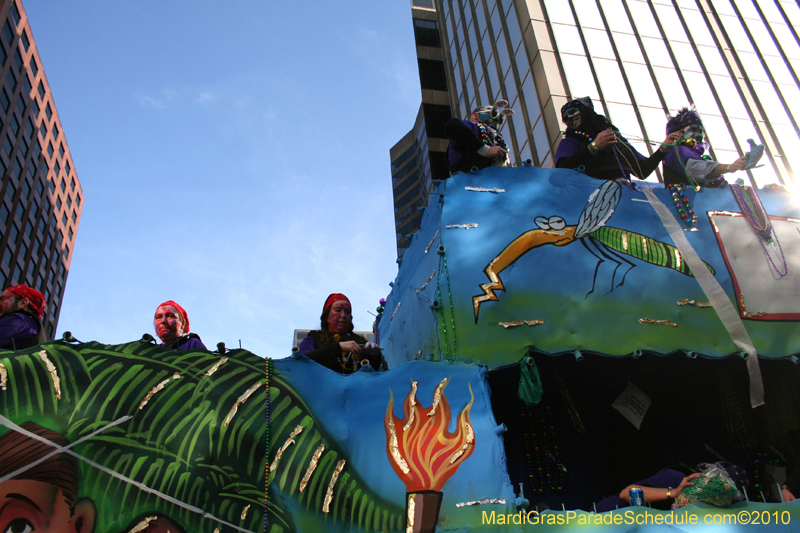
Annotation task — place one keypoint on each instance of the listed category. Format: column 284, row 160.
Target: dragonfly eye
column 557, row 223
column 542, row 222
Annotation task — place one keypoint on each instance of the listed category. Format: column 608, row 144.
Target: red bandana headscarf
column 181, row 311
column 335, row 297
column 35, row 297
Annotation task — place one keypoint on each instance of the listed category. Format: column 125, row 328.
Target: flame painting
column 420, row 447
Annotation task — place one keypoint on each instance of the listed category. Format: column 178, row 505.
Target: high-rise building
column 420, row 156
column 738, row 61
column 40, row 195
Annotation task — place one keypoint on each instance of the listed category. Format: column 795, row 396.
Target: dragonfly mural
column 605, row 243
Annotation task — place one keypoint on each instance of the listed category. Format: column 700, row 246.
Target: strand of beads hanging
column 488, row 140
column 379, row 309
column 682, row 205
column 759, row 221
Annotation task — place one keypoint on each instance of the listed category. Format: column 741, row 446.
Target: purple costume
column 18, row 330
column 665, row 478
column 466, row 148
column 186, row 342
column 611, row 163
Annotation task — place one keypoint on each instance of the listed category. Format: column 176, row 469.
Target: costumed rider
column 335, row 346
column 172, row 327
column 685, row 163
column 477, row 143
column 595, row 146
column 21, row 310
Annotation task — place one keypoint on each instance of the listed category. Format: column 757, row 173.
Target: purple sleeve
column 192, row 344
column 15, row 327
column 309, row 344
column 685, row 153
column 567, row 148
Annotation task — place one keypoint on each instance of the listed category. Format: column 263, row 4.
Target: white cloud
column 148, row 101
column 206, row 97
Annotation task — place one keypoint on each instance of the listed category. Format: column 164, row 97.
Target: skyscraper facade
column 40, row 195
column 738, row 61
column 420, row 156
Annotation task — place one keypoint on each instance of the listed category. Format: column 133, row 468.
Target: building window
column 78, row 199
column 15, row 14
column 55, row 130
column 9, row 33
column 64, row 218
column 7, row 256
column 35, row 109
column 26, row 86
column 50, row 149
column 14, row 125
column 26, row 43
column 74, row 217
column 23, row 251
column 21, row 106
column 68, row 169
column 26, row 189
column 41, row 89
column 17, row 169
column 29, row 229
column 13, row 233
column 63, row 185
column 40, row 187
column 43, row 130
column 12, row 80
column 18, row 63
column 34, row 67
column 4, row 213
column 37, row 245
column 11, row 191
column 61, row 149
column 49, row 112
column 58, row 203
column 31, row 168
column 69, row 202
column 56, row 168
column 8, row 146
column 4, row 100
column 52, row 186
column 70, row 234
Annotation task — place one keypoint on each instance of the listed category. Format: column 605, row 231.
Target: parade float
column 551, row 339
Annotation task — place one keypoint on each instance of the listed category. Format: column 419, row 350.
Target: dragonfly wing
column 599, row 208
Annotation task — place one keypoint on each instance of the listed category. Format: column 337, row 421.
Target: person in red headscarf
column 172, row 327
column 335, row 345
column 21, row 310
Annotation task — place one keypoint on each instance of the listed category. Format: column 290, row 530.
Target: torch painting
column 425, row 454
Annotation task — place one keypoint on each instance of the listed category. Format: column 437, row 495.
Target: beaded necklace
column 487, row 139
column 682, row 205
column 757, row 217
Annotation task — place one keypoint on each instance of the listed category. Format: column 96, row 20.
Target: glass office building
column 40, row 195
column 736, row 60
column 420, row 156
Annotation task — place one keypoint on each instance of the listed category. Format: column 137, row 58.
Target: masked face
column 572, row 117
column 340, row 319
column 693, row 135
column 168, row 323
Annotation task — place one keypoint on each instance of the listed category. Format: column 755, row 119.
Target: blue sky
column 234, row 157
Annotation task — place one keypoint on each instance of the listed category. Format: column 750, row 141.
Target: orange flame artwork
column 421, row 449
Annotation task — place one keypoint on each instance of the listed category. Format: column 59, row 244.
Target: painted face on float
column 27, row 505
column 340, row 318
column 168, row 323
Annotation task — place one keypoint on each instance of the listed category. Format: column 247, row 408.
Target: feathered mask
column 494, row 115
column 684, row 117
